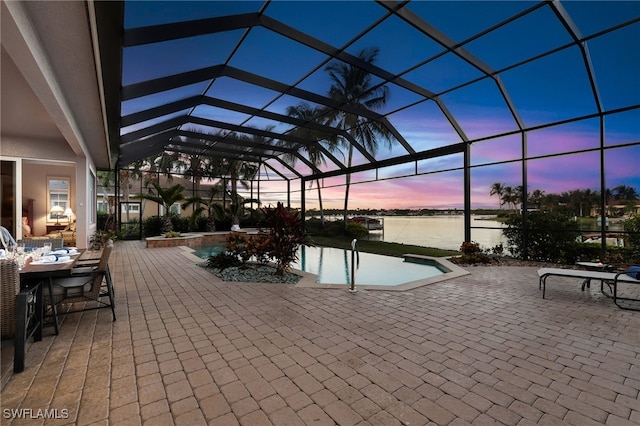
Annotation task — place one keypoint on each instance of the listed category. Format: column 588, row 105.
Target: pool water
column 206, row 250
column 333, row 266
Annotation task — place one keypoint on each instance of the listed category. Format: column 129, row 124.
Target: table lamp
column 57, row 210
column 68, row 213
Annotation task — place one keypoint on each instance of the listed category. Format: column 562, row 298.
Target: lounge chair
column 610, row 279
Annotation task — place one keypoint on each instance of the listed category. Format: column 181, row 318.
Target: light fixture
column 68, row 213
column 56, row 210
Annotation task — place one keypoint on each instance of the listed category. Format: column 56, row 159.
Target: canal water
column 444, row 232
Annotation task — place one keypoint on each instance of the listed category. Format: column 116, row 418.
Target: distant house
column 136, row 205
column 617, row 208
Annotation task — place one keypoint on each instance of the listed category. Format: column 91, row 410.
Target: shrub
column 152, row 226
column 357, row 230
column 237, row 246
column 471, row 254
column 180, row 224
column 551, row 237
column 470, row 247
column 99, row 239
column 280, row 241
column 632, row 226
column 223, row 260
column 104, row 221
column 286, row 233
column 171, row 234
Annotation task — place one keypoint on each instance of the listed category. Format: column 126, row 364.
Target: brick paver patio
column 189, row 349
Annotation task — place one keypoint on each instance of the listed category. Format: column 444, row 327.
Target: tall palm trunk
column 347, row 186
column 235, row 219
column 320, row 203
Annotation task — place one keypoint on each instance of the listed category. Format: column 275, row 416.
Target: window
column 174, row 209
column 57, row 195
column 133, row 207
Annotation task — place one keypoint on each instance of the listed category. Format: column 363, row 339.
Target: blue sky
column 549, row 89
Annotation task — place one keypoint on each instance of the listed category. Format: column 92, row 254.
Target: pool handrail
column 354, row 254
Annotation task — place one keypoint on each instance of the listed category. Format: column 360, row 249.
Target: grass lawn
column 380, row 247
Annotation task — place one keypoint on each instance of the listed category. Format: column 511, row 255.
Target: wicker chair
column 9, row 288
column 86, row 287
column 40, row 242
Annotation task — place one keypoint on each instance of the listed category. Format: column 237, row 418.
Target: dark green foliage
column 103, row 220
column 223, row 260
column 588, row 252
column 331, row 229
column 357, row 230
column 201, row 224
column 621, row 256
column 152, row 226
column 180, row 224
column 632, row 239
column 551, row 237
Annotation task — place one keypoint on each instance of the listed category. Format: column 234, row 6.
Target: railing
column 355, row 264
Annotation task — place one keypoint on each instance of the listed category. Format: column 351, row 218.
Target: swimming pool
column 333, row 266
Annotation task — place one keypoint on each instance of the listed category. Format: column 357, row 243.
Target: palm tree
column 624, row 193
column 166, row 197
column 353, row 86
column 304, row 111
column 239, row 172
column 214, row 210
column 200, row 167
column 509, row 196
column 536, row 198
column 497, row 189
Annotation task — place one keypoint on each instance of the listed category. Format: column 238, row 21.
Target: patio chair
column 9, row 288
column 21, row 311
column 86, row 286
column 41, row 241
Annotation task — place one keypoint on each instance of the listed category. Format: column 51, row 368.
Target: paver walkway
column 188, row 349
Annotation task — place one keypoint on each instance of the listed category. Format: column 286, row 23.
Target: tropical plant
column 536, row 198
column 100, row 238
column 471, row 254
column 353, row 86
column 240, row 172
column 286, row 233
column 624, row 193
column 200, row 166
column 166, row 198
column 223, row 260
column 317, row 140
column 237, row 206
column 215, row 210
column 497, row 188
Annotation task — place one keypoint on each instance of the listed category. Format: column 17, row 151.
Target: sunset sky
column 550, row 88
